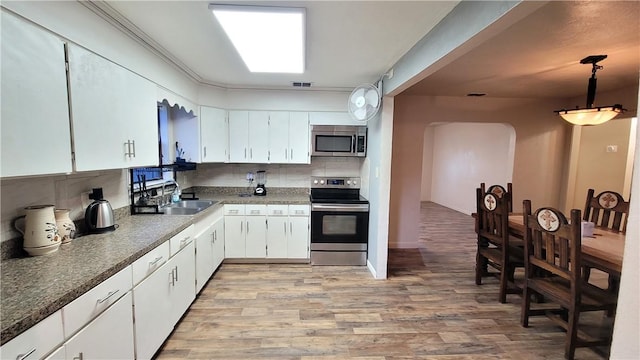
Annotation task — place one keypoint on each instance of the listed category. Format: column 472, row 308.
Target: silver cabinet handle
column 205, row 151
column 247, row 227
column 291, row 228
column 245, row 153
column 291, row 157
column 79, row 357
column 241, row 226
column 155, row 261
column 134, row 147
column 172, row 278
column 128, row 151
column 184, row 241
column 285, row 227
column 251, row 153
column 176, row 270
column 285, row 154
column 25, row 355
column 110, row 294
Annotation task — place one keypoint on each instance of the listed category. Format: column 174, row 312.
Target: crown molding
column 121, row 23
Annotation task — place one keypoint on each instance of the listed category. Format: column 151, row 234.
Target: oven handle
column 340, row 207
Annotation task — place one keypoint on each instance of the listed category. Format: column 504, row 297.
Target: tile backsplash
column 69, row 191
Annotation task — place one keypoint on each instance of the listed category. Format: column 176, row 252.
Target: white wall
column 466, row 154
column 625, row 344
column 427, row 164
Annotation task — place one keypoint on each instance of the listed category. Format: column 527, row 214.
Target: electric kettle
column 99, row 215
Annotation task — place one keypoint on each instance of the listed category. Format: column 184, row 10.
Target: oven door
column 339, row 223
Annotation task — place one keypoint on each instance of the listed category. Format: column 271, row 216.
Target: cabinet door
column 256, row 237
column 279, row 137
column 218, row 243
column 151, row 306
column 234, row 236
column 37, row 341
column 258, row 137
column 183, row 289
column 113, row 112
column 35, row 134
column 109, row 336
column 214, row 134
column 299, row 138
column 298, row 238
column 204, row 256
column 277, row 230
column 238, row 136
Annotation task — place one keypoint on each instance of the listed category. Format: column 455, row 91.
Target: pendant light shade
column 591, row 115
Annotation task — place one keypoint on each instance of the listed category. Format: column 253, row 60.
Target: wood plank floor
column 428, row 308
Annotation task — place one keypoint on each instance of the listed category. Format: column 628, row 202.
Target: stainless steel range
column 339, row 222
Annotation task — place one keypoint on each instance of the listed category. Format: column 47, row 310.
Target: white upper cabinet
column 114, row 114
column 35, row 132
column 214, row 135
column 299, row 152
column 258, row 137
column 279, row 137
column 289, row 137
column 248, row 136
column 238, row 136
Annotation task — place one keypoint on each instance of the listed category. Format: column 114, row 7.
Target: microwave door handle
column 353, row 144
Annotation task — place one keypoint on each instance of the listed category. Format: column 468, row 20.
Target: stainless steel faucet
column 164, row 184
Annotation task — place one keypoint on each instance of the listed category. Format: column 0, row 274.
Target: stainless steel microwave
column 330, row 140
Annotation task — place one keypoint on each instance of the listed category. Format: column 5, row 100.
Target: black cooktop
column 335, row 196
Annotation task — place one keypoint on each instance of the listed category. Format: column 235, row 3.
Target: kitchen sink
column 187, row 207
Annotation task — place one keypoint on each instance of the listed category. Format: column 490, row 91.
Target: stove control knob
column 348, row 182
column 321, row 182
column 315, row 182
column 354, row 182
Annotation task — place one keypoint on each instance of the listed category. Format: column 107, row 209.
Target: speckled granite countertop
column 33, row 288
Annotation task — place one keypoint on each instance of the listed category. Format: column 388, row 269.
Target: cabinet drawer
column 255, row 210
column 277, row 210
column 299, row 210
column 182, row 239
column 233, row 209
column 85, row 308
column 150, row 262
column 37, row 341
column 204, row 223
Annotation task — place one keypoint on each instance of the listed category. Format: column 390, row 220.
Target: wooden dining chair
column 552, row 270
column 495, row 248
column 499, row 190
column 608, row 211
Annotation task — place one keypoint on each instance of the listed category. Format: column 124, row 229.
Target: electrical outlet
column 612, row 148
column 84, row 198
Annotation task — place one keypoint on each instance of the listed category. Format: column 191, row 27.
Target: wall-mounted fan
column 364, row 102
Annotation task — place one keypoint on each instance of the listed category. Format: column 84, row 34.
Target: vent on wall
column 301, row 84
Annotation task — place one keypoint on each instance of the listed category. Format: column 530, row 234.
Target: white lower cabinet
column 209, row 242
column 288, row 231
column 109, row 336
column 245, row 231
column 37, row 341
column 160, row 300
column 266, row 231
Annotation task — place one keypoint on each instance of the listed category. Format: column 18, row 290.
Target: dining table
column 604, row 250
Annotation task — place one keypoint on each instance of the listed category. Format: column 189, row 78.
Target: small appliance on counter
column 99, row 216
column 261, row 179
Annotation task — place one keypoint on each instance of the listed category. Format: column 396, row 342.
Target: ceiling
column 354, row 42
column 348, row 42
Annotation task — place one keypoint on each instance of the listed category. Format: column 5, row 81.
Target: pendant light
column 591, row 115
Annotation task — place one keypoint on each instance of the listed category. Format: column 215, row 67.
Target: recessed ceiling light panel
column 268, row 39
